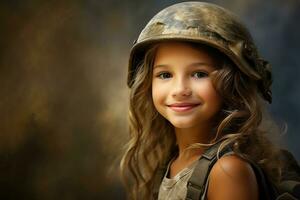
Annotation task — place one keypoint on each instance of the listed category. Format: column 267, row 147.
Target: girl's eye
column 164, row 75
column 200, row 74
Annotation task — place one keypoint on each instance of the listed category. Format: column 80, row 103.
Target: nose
column 181, row 88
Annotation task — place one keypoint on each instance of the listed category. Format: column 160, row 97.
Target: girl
column 197, row 82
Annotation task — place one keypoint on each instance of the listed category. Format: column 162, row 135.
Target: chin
column 183, row 124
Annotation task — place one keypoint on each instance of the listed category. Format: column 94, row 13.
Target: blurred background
column 63, row 94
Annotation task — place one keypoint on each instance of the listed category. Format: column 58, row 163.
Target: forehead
column 184, row 50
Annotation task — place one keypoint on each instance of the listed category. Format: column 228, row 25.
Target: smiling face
column 182, row 89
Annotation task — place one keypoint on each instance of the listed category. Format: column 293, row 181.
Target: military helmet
column 207, row 24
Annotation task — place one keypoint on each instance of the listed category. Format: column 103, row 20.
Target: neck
column 187, row 136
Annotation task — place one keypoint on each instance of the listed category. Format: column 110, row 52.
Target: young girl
column 197, row 82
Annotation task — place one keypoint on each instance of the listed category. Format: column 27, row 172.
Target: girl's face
column 182, row 90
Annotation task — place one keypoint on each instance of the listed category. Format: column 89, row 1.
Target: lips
column 182, row 107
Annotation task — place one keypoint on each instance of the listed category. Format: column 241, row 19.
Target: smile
column 182, row 107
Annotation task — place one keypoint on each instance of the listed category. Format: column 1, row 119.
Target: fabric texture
column 175, row 188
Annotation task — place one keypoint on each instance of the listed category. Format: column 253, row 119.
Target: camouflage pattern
column 207, row 24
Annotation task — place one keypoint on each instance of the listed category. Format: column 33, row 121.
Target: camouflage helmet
column 207, row 24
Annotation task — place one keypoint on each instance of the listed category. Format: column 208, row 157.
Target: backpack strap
column 196, row 185
column 267, row 190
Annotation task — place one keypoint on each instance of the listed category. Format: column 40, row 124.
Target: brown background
column 63, row 103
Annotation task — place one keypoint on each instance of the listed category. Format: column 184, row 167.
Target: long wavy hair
column 241, row 122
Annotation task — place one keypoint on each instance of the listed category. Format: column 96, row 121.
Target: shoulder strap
column 196, row 184
column 267, row 190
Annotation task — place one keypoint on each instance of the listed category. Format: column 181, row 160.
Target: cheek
column 215, row 100
column 156, row 94
column 208, row 94
column 212, row 95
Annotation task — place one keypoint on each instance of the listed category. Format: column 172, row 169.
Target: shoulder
column 232, row 178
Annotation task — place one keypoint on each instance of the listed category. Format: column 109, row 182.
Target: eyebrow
column 197, row 64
